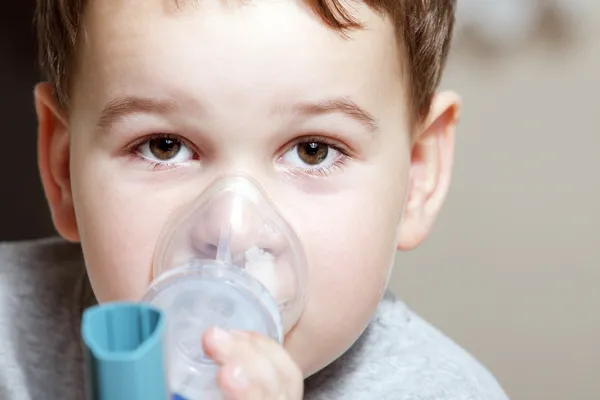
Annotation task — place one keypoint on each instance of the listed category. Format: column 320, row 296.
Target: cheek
column 351, row 244
column 351, row 239
column 119, row 225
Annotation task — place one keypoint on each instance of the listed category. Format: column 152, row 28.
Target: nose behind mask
column 228, row 260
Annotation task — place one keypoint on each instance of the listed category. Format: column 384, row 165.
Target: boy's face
column 167, row 99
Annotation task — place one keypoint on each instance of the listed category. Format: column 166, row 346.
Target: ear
column 432, row 159
column 54, row 161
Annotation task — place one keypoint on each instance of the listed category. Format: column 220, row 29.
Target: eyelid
column 133, row 146
column 334, row 143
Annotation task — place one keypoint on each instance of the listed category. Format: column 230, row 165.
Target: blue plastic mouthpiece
column 124, row 355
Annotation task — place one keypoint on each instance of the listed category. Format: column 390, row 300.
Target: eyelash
column 322, row 171
column 132, row 151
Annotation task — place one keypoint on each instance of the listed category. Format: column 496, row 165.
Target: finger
column 283, row 363
column 247, row 372
column 254, row 366
column 244, row 382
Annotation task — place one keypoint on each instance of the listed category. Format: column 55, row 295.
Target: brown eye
column 314, row 156
column 312, row 153
column 164, row 149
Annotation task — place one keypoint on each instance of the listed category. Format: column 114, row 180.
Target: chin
column 313, row 348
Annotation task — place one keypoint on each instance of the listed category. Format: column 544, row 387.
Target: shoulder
column 437, row 368
column 42, row 285
column 36, row 252
column 401, row 356
column 39, row 262
column 40, row 278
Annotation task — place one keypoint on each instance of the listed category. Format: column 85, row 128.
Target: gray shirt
column 44, row 289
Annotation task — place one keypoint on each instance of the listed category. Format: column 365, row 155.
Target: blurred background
column 512, row 270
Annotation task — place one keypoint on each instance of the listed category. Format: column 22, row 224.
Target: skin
column 232, row 82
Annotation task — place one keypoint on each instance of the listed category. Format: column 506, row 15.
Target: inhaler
column 228, row 260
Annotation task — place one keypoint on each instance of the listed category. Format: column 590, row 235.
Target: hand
column 253, row 366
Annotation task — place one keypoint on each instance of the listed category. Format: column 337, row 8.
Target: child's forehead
column 200, row 48
column 234, row 29
column 338, row 10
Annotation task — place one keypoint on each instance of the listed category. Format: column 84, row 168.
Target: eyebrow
column 122, row 106
column 342, row 105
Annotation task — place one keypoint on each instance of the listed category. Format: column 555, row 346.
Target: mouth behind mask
column 228, row 260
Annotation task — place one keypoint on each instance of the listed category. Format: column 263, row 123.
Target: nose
column 235, row 229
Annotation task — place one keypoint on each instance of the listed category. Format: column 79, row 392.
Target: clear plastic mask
column 228, row 260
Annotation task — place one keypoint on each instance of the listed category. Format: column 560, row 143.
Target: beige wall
column 512, row 271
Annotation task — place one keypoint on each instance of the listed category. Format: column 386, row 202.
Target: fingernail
column 239, row 377
column 222, row 338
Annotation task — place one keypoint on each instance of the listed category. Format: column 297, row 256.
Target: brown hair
column 423, row 27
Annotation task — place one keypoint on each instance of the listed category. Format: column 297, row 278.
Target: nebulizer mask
column 228, row 260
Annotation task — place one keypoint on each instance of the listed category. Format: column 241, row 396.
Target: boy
column 329, row 105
